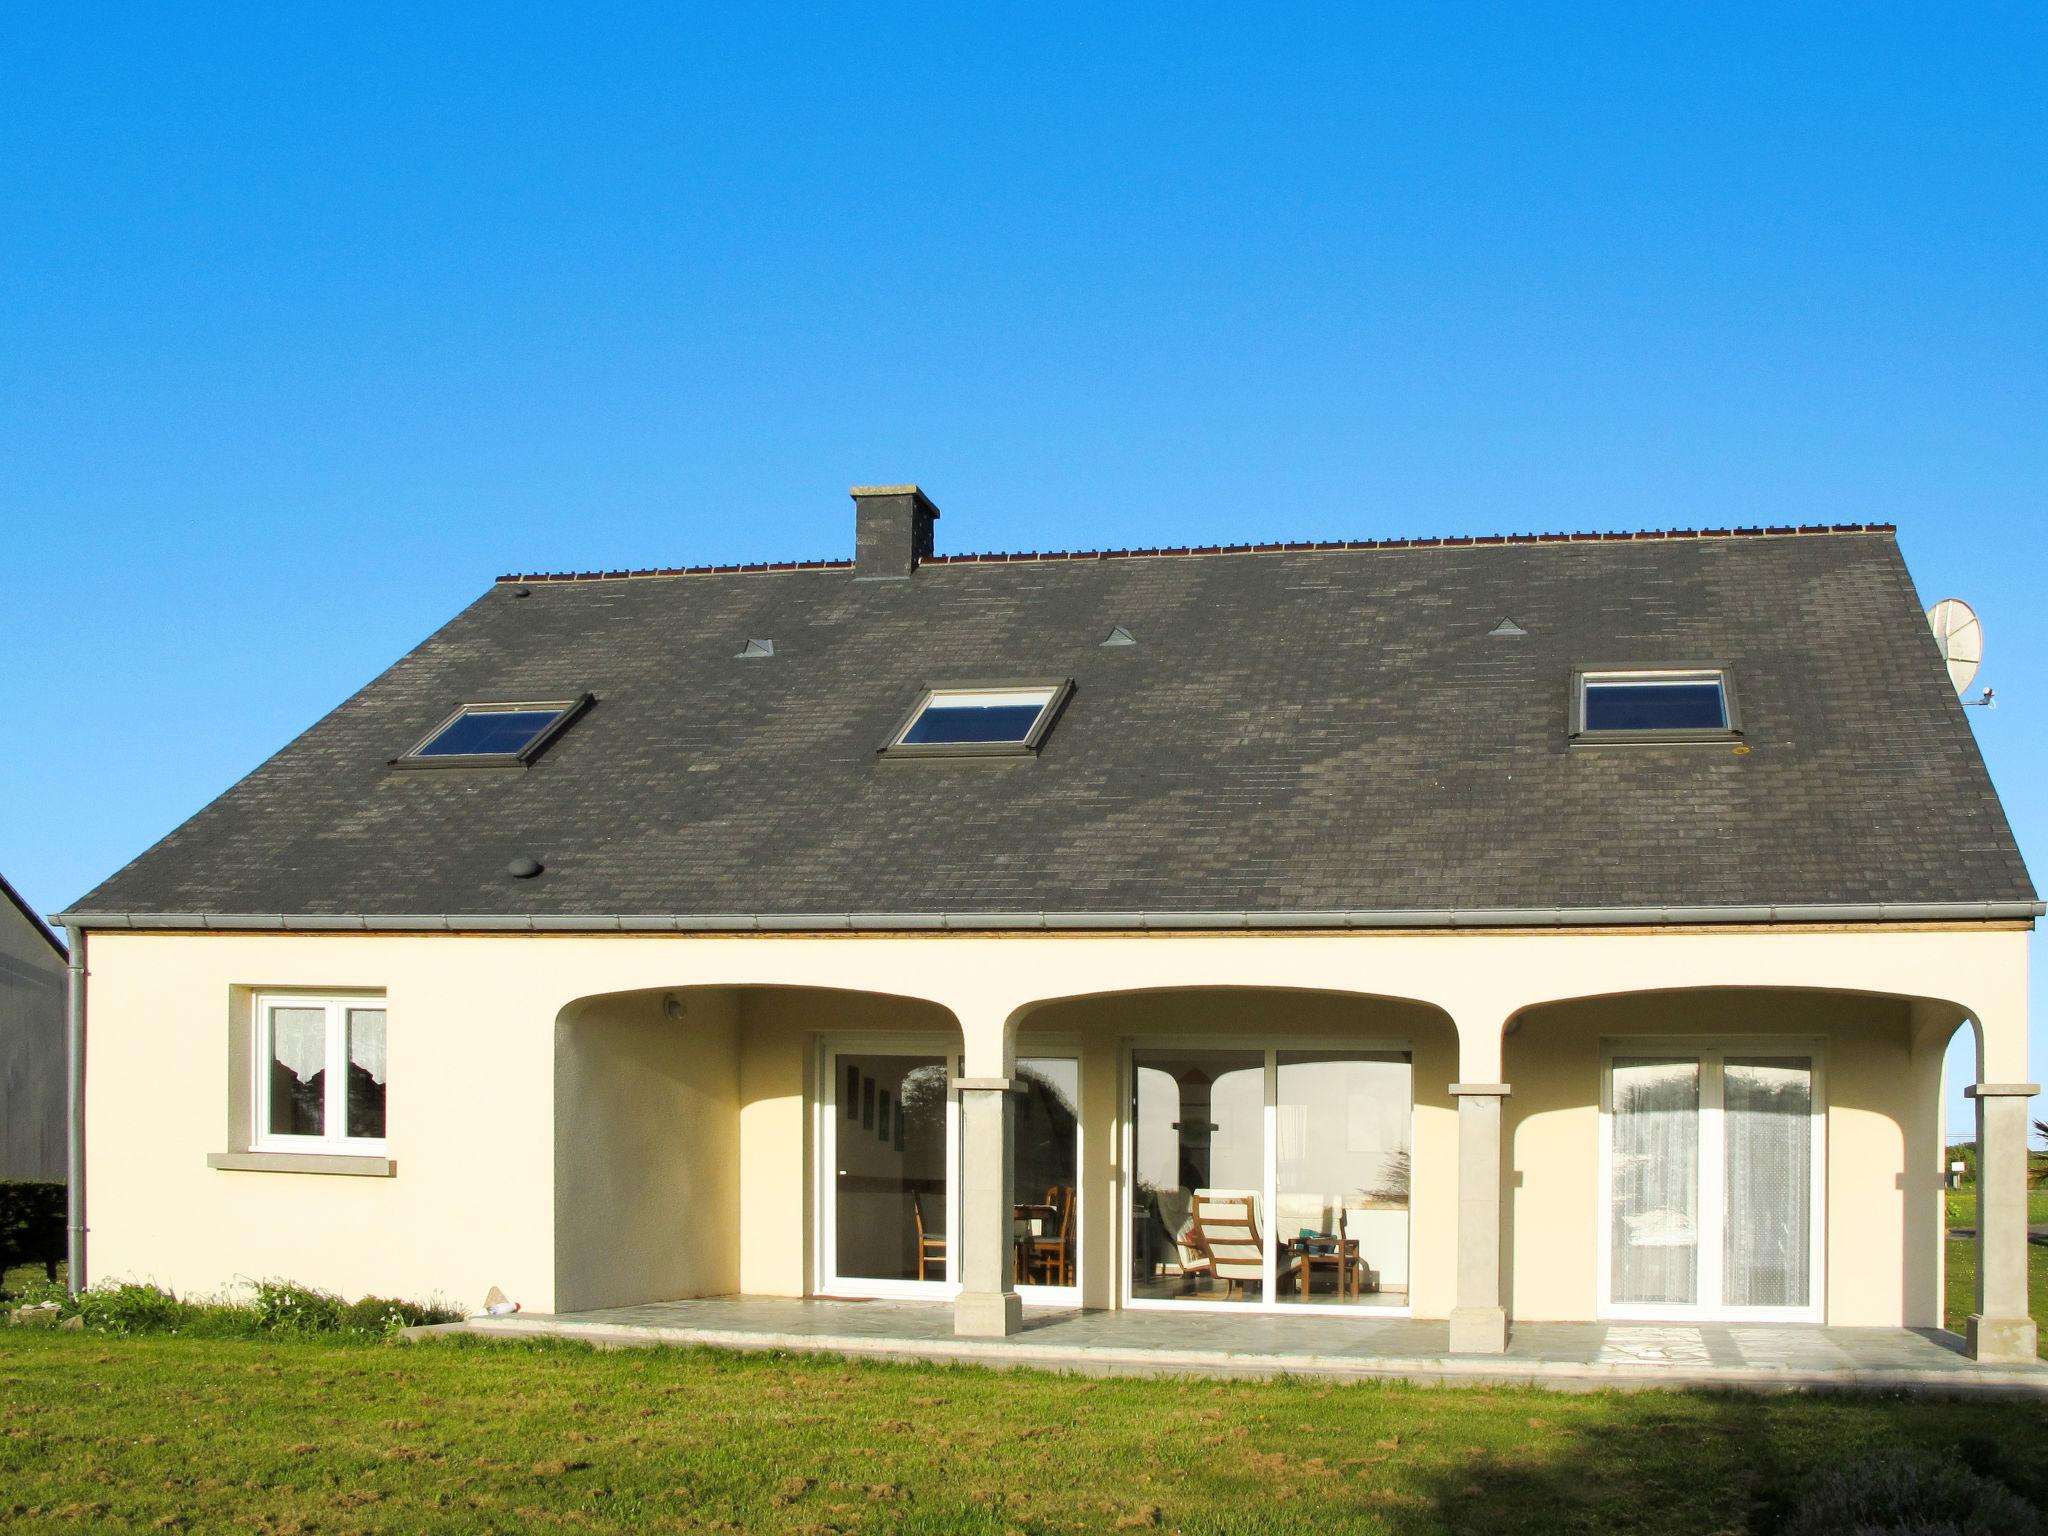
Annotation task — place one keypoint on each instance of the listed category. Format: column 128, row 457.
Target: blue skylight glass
column 999, row 717
column 489, row 733
column 1645, row 704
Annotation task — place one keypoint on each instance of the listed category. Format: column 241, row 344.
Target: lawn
column 1962, row 1207
column 281, row 1436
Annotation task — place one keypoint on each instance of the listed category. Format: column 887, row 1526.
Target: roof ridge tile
column 1185, row 551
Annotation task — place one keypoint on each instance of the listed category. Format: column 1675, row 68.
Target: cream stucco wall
column 477, row 1083
column 647, row 1167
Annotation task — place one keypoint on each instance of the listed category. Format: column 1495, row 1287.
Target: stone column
column 2001, row 1328
column 987, row 1307
column 1479, row 1322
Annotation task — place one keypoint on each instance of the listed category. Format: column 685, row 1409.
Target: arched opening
column 1262, row 1149
column 1726, row 1154
column 768, row 1140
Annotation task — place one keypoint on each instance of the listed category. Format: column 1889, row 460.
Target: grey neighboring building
column 32, row 963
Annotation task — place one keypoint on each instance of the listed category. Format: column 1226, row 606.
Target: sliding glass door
column 1712, row 1172
column 1269, row 1178
column 888, row 1145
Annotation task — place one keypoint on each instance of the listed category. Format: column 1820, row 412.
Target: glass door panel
column 1341, row 1156
column 1046, row 1140
column 890, row 1208
column 1767, row 1105
column 1199, row 1146
column 1654, row 1236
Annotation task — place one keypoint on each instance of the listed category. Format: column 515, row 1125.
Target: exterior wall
column 32, row 1114
column 476, row 1023
column 1882, row 1144
column 647, row 1183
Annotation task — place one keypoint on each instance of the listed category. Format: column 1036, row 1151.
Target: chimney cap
column 862, row 492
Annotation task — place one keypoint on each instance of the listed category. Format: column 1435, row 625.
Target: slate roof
column 1297, row 730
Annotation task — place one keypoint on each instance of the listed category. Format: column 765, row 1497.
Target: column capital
column 1480, row 1090
column 1995, row 1090
column 983, row 1084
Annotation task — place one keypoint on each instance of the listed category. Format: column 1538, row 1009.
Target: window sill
column 304, row 1162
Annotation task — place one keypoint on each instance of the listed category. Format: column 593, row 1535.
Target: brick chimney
column 892, row 531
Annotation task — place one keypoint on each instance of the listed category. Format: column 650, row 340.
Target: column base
column 1479, row 1330
column 987, row 1314
column 2001, row 1340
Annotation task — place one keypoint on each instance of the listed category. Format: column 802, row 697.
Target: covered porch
column 1560, row 1356
column 1704, row 1130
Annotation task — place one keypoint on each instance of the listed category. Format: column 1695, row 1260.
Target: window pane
column 944, row 721
column 298, row 1071
column 1649, row 706
column 1045, row 1133
column 1656, row 1185
column 889, row 1193
column 490, row 732
column 1198, row 1227
column 1769, row 1106
column 366, row 1072
column 1341, row 1214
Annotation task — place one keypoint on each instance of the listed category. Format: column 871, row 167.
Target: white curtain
column 1769, row 1114
column 1656, row 1180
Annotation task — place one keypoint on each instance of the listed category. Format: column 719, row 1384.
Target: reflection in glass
column 1769, row 1242
column 889, row 1210
column 298, row 1071
column 1199, row 1132
column 366, row 1072
column 1045, row 1133
column 1655, row 1181
column 1341, row 1203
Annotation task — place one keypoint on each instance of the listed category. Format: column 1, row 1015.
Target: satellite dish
column 1959, row 637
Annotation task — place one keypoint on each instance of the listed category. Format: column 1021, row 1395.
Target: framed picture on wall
column 867, row 1103
column 882, row 1115
column 853, row 1093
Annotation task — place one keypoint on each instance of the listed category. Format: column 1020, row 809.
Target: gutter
column 1048, row 922
column 74, row 1079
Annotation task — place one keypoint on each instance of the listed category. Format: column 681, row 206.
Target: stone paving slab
column 1559, row 1356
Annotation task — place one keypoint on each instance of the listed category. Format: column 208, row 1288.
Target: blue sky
column 313, row 319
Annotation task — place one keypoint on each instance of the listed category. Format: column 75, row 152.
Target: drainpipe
column 74, row 1062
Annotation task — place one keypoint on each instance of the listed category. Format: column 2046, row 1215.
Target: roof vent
column 523, row 869
column 1121, row 636
column 755, row 648
column 892, row 530
column 1507, row 628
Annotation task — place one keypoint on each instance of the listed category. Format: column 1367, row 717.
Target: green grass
column 461, row 1435
column 1962, row 1207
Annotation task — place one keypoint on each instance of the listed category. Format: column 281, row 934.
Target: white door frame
column 1712, row 1053
column 1063, row 1048
column 828, row 1281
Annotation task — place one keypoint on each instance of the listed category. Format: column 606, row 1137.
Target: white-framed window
column 1713, row 1180
column 319, row 1073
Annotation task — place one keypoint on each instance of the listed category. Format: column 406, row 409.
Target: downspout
column 74, row 1063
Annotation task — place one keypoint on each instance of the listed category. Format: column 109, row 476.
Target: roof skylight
column 1675, row 705
column 966, row 720
column 493, row 733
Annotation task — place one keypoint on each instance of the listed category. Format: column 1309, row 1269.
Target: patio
column 1559, row 1356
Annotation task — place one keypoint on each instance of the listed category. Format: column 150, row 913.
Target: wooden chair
column 1227, row 1230
column 931, row 1246
column 1049, row 1256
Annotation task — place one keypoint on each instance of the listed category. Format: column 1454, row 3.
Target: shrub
column 1911, row 1496
column 282, row 1307
column 31, row 1224
column 278, row 1308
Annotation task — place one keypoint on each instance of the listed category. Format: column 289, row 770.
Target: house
column 1485, row 929
column 32, row 1108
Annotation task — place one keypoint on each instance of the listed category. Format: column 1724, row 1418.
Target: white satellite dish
column 1959, row 637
